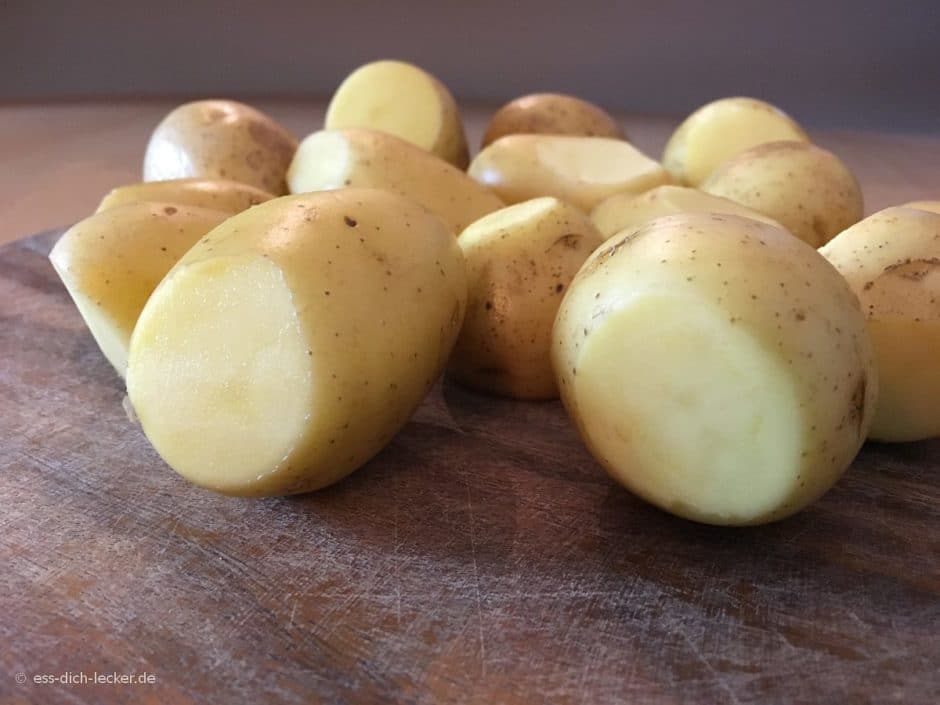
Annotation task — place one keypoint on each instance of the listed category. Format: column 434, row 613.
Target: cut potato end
column 112, row 335
column 227, row 398
column 909, row 405
column 328, row 169
column 372, row 97
column 722, row 129
column 598, row 160
column 929, row 206
column 507, row 218
column 720, row 445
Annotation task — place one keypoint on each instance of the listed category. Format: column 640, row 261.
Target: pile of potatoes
column 279, row 309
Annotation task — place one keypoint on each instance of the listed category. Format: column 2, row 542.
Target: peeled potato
column 582, row 171
column 292, row 343
column 892, row 262
column 551, row 114
column 332, row 159
column 520, row 260
column 808, row 190
column 220, row 139
column 112, row 261
column 405, row 101
column 627, row 210
column 716, row 366
column 218, row 194
column 721, row 129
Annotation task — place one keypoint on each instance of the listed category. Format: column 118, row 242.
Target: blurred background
column 841, row 63
column 83, row 83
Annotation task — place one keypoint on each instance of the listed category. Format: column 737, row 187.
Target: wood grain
column 483, row 557
column 59, row 159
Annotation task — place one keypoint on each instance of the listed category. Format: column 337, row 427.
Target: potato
column 716, row 366
column 551, row 114
column 721, row 129
column 929, row 206
column 291, row 343
column 112, row 261
column 582, row 171
column 332, row 159
column 218, row 194
column 803, row 187
column 220, row 139
column 892, row 262
column 519, row 262
column 627, row 210
column 405, row 101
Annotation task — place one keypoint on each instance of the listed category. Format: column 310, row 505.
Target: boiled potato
column 291, row 343
column 520, row 260
column 112, row 261
column 716, row 366
column 627, row 210
column 582, row 171
column 892, row 262
column 403, row 100
column 719, row 130
column 220, row 139
column 808, row 190
column 551, row 114
column 930, row 206
column 332, row 159
column 218, row 194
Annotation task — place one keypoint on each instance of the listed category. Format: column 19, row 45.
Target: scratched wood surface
column 483, row 557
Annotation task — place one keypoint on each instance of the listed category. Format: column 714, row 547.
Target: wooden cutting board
column 483, row 557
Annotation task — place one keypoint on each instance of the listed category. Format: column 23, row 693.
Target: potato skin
column 627, row 210
column 759, row 282
column 218, row 194
column 892, row 262
column 551, row 114
column 520, row 260
column 805, row 188
column 220, row 139
column 378, row 289
column 357, row 157
column 113, row 260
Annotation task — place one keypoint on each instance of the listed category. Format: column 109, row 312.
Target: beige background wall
column 861, row 63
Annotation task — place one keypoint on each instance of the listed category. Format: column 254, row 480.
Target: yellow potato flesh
column 626, row 210
column 929, row 206
column 405, row 101
column 892, row 262
column 292, row 343
column 665, row 439
column 332, row 159
column 716, row 366
column 233, row 320
column 112, row 261
column 520, row 260
column 721, row 129
column 579, row 170
column 218, row 194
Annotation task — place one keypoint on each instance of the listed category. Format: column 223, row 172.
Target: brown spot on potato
column 169, row 210
column 857, row 404
column 351, row 222
column 913, row 269
column 570, row 241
